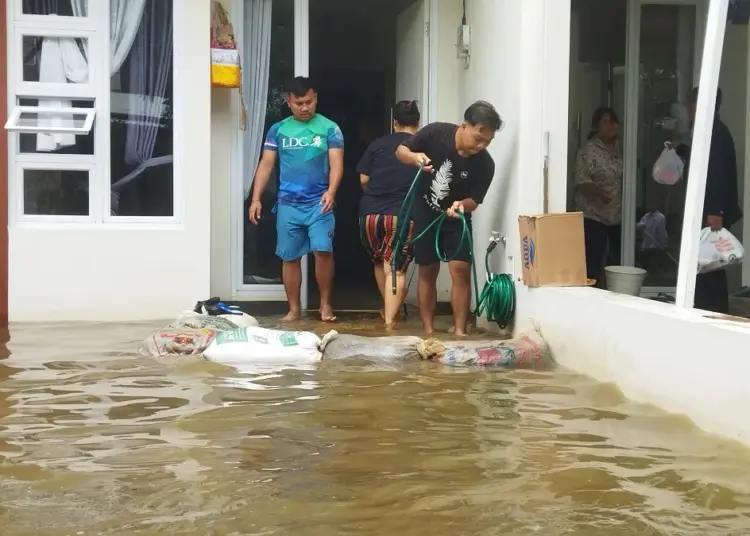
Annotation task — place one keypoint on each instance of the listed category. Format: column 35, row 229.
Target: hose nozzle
column 495, row 238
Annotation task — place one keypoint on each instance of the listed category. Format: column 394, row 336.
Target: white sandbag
column 381, row 348
column 241, row 320
column 245, row 346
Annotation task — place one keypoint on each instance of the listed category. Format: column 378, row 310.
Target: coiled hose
column 498, row 297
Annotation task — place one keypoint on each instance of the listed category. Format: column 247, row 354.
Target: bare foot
column 291, row 316
column 390, row 326
column 382, row 314
column 460, row 333
column 326, row 314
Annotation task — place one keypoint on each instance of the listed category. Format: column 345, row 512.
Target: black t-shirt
column 389, row 179
column 455, row 177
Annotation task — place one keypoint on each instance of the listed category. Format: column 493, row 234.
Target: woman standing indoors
column 598, row 192
column 385, row 182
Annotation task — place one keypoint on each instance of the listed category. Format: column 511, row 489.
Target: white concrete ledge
column 676, row 359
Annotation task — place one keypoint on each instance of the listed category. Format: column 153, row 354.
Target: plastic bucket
column 625, row 279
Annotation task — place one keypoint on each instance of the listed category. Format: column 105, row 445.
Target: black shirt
column 721, row 197
column 454, row 177
column 389, row 179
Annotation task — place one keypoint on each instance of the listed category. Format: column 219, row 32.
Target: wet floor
column 95, row 439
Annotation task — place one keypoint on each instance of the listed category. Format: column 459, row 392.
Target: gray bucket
column 625, row 279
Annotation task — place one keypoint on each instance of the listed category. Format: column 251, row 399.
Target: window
column 91, row 117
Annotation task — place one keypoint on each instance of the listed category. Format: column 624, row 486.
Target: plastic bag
column 246, row 346
column 193, row 320
column 177, row 342
column 668, row 167
column 654, row 228
column 383, row 348
column 718, row 249
column 225, row 58
column 527, row 351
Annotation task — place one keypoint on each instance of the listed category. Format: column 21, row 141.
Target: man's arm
column 336, row 169
column 718, row 178
column 335, row 166
column 364, row 180
column 477, row 192
column 260, row 181
column 411, row 152
column 263, row 172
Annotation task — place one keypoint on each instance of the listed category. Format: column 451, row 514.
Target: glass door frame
column 240, row 289
column 275, row 292
column 632, row 99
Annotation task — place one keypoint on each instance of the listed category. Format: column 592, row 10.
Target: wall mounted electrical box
column 463, row 42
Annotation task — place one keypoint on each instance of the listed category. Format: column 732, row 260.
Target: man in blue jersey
column 310, row 149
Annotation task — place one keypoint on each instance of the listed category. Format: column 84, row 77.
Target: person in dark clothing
column 720, row 206
column 386, row 182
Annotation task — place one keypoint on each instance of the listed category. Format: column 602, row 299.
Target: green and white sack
column 246, row 346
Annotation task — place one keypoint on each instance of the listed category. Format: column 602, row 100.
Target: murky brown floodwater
column 95, row 439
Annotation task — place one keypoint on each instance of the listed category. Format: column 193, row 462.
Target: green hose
column 498, row 297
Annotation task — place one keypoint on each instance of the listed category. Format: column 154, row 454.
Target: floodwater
column 95, row 439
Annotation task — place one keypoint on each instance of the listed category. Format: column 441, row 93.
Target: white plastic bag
column 718, row 249
column 245, row 346
column 668, row 167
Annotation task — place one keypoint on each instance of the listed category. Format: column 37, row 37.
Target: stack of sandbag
column 379, row 348
column 526, row 351
column 191, row 333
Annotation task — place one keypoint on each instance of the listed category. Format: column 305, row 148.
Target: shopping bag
column 717, row 250
column 225, row 58
column 668, row 167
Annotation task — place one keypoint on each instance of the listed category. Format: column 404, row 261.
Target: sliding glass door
column 662, row 66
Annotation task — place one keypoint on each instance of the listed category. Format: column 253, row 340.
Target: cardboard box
column 553, row 250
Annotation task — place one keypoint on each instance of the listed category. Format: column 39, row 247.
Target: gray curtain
column 256, row 56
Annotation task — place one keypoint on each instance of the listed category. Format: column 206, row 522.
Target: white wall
column 223, row 121
column 74, row 273
column 655, row 353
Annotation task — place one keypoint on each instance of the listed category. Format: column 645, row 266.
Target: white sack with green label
column 247, row 346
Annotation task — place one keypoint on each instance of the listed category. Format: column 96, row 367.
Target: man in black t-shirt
column 456, row 175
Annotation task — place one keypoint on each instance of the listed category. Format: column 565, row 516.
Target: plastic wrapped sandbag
column 193, row 320
column 381, row 348
column 245, row 346
column 527, row 351
column 177, row 342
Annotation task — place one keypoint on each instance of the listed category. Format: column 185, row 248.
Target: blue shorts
column 302, row 229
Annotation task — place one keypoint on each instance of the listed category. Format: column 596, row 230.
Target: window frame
column 13, row 126
column 95, row 27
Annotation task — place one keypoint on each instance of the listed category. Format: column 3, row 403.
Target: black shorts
column 449, row 242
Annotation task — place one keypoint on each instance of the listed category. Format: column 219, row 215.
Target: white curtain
column 150, row 68
column 256, row 57
column 62, row 60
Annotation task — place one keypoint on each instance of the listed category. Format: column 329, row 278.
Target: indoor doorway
column 640, row 58
column 378, row 54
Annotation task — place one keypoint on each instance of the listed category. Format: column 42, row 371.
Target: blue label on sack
column 528, row 251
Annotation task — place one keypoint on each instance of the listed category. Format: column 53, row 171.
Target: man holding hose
column 456, row 174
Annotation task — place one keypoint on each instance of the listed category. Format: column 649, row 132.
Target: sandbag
column 250, row 345
column 527, row 351
column 193, row 320
column 385, row 348
column 241, row 320
column 179, row 342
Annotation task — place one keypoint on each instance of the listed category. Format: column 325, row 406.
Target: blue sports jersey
column 303, row 157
